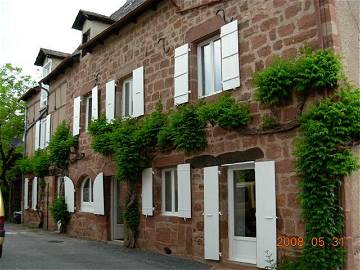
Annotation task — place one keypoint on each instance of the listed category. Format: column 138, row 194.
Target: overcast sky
column 28, row 25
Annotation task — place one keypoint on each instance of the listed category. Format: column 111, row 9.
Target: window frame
column 131, row 103
column 174, row 190
column 88, row 111
column 87, row 206
column 85, row 36
column 60, row 186
column 42, row 133
column 47, row 67
column 43, row 98
column 200, row 67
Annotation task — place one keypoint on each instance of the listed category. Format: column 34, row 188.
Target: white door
column 252, row 212
column 117, row 209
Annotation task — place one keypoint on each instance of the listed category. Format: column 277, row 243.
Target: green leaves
column 309, row 71
column 59, row 211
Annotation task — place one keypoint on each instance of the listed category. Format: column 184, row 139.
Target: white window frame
column 131, row 109
column 87, row 206
column 173, row 174
column 46, row 69
column 43, row 97
column 60, row 179
column 42, row 133
column 88, row 111
column 200, row 68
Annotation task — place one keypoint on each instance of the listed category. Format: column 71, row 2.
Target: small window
column 209, row 67
column 47, row 68
column 43, row 97
column 88, row 111
column 87, row 201
column 127, row 100
column 42, row 133
column 60, row 190
column 169, row 192
column 86, row 37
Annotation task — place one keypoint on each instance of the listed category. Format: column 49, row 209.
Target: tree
column 12, row 85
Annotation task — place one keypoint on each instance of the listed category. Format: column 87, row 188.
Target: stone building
column 198, row 206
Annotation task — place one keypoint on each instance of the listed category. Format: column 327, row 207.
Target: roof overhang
column 43, row 53
column 29, row 93
column 84, row 15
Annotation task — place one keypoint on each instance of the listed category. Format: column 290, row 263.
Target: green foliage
column 322, row 161
column 132, row 216
column 184, row 130
column 268, row 122
column 12, row 85
column 309, row 71
column 59, row 146
column 59, row 211
column 37, row 164
column 225, row 112
column 101, row 132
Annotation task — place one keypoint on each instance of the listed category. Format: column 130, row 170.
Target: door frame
column 113, row 190
column 230, row 183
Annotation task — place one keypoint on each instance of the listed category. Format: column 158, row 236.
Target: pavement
column 26, row 248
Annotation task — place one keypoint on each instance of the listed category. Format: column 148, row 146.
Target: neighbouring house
column 228, row 203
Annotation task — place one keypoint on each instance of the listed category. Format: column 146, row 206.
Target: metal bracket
column 97, row 79
column 224, row 16
column 163, row 45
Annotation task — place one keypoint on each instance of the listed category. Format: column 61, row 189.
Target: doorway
column 118, row 195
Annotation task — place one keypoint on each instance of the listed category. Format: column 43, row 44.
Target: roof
column 46, row 52
column 92, row 16
column 29, row 93
column 60, row 68
column 133, row 11
column 130, row 5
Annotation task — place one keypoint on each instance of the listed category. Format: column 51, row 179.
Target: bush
column 60, row 213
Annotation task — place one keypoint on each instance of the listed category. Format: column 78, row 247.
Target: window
column 127, row 101
column 60, row 190
column 88, row 111
column 44, row 97
column 169, row 192
column 86, row 36
column 87, row 200
column 42, row 133
column 209, row 67
column 47, row 68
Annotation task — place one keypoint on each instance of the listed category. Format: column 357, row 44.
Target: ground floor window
column 60, row 188
column 169, row 191
column 87, row 200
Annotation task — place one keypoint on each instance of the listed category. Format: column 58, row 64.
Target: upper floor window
column 127, row 100
column 86, row 36
column 88, row 111
column 87, row 200
column 43, row 97
column 47, row 68
column 209, row 67
column 169, row 192
column 42, row 133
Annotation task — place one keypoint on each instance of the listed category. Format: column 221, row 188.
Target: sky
column 28, row 25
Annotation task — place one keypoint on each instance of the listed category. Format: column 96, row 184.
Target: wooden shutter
column 26, row 193
column 34, row 193
column 110, row 100
column 95, row 103
column 184, row 190
column 37, row 135
column 181, row 75
column 76, row 116
column 48, row 130
column 69, row 194
column 138, row 92
column 211, row 212
column 98, row 191
column 147, row 207
column 230, row 55
column 265, row 212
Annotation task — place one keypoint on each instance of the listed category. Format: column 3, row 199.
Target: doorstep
column 116, row 242
column 230, row 265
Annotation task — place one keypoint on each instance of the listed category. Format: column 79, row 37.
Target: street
column 33, row 249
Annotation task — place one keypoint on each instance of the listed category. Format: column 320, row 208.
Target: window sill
column 169, row 214
column 214, row 96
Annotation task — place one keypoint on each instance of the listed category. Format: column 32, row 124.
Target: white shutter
column 48, row 130
column 110, row 100
column 26, row 193
column 265, row 212
column 181, row 75
column 147, row 193
column 69, row 194
column 37, row 135
column 98, row 191
column 95, row 103
column 211, row 212
column 230, row 55
column 138, row 92
column 34, row 193
column 76, row 116
column 184, row 190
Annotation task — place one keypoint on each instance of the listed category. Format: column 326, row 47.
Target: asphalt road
column 33, row 249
